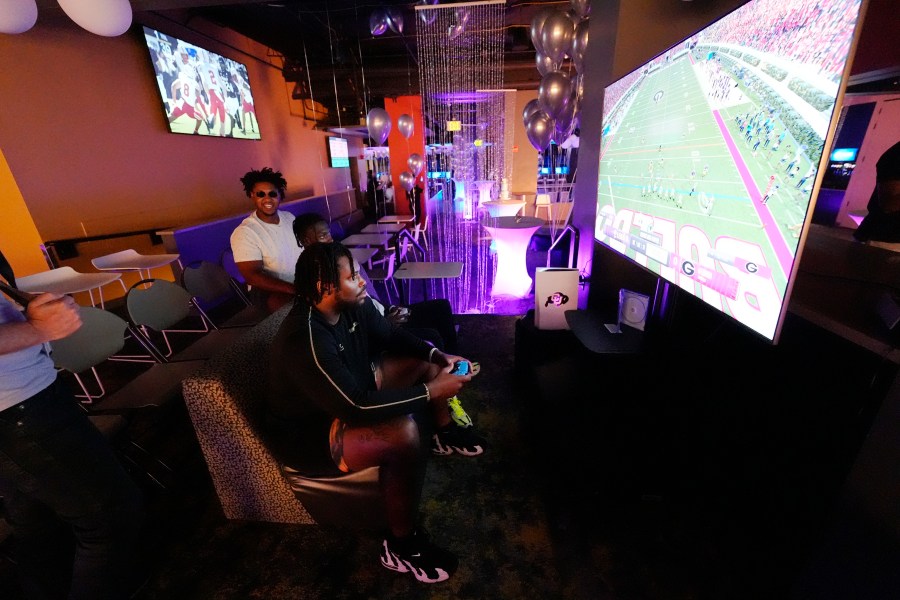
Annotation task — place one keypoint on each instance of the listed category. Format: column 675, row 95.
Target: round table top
column 512, row 222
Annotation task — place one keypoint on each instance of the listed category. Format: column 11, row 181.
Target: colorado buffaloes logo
column 556, row 299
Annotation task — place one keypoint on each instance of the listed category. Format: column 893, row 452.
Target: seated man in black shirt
column 345, row 378
column 431, row 320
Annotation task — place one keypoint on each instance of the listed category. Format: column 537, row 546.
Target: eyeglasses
column 270, row 194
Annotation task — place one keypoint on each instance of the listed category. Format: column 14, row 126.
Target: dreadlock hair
column 317, row 270
column 266, row 174
column 304, row 222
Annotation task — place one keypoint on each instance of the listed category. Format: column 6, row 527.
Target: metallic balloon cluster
column 383, row 19
column 556, row 35
column 378, row 122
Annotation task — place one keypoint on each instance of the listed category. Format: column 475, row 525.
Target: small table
column 484, row 190
column 368, row 239
column 363, row 254
column 503, row 208
column 384, row 228
column 130, row 261
column 426, row 270
column 512, row 236
column 66, row 280
column 459, row 189
column 397, row 219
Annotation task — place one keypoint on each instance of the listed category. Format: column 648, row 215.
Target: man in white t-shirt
column 265, row 249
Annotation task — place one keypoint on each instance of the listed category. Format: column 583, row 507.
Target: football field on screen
column 670, row 157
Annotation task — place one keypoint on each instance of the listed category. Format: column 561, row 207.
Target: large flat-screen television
column 202, row 93
column 712, row 153
column 338, row 152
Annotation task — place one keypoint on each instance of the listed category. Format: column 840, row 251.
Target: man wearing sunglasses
column 264, row 247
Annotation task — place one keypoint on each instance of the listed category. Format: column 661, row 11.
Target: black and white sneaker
column 417, row 555
column 462, row 440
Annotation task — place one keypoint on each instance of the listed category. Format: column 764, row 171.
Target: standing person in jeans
column 346, row 382
column 264, row 248
column 57, row 471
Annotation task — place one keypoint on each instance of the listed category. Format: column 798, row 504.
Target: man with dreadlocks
column 345, row 379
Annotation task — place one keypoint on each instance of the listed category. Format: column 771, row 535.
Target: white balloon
column 104, row 17
column 17, row 16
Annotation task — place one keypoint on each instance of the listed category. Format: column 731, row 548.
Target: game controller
column 461, row 367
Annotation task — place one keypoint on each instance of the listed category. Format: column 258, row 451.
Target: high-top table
column 66, row 280
column 484, row 187
column 503, row 208
column 512, row 236
column 396, row 219
column 363, row 254
column 368, row 239
column 426, row 270
column 384, row 228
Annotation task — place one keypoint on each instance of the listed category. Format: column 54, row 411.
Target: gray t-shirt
column 25, row 372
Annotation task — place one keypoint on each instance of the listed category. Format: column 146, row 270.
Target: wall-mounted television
column 712, row 153
column 844, row 154
column 338, row 152
column 202, row 93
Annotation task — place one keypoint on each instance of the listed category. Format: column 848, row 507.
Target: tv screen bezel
column 334, row 160
column 239, row 102
column 622, row 247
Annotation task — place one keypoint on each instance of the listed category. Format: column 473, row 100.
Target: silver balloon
column 378, row 121
column 544, row 64
column 405, row 125
column 454, row 31
column 394, row 20
column 530, row 108
column 415, row 163
column 581, row 8
column 555, row 92
column 378, row 22
column 407, row 180
column 427, row 16
column 579, row 44
column 556, row 35
column 566, row 120
column 540, row 128
column 462, row 16
column 578, row 89
column 537, row 25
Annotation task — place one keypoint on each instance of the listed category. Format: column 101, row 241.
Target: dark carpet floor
column 647, row 499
